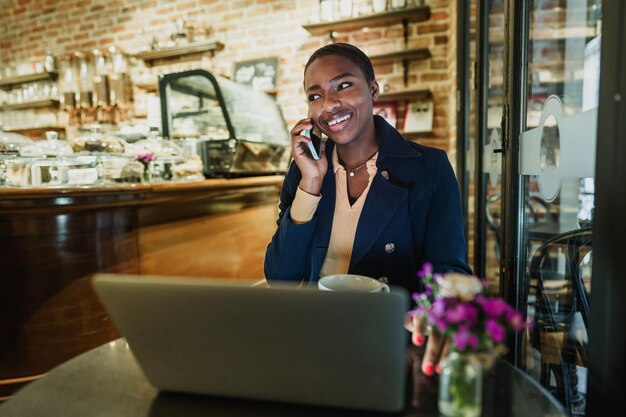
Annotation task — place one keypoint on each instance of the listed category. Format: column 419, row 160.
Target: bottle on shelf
column 344, row 9
column 49, row 63
column 379, row 6
column 326, row 10
column 398, row 4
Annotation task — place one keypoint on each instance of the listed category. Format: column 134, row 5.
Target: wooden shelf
column 407, row 54
column 37, row 133
column 9, row 83
column 405, row 94
column 30, row 105
column 411, row 14
column 148, row 87
column 151, row 57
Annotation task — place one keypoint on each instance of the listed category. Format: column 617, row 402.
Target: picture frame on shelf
column 419, row 116
column 388, row 110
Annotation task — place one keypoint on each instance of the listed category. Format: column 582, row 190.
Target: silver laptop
column 278, row 343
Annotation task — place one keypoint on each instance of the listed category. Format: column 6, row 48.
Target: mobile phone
column 315, row 145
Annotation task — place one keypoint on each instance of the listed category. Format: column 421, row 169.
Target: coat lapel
column 378, row 209
column 377, row 213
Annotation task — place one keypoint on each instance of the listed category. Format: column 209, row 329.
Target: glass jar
column 12, row 143
column 461, row 386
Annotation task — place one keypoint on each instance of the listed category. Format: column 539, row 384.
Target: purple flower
column 427, row 269
column 438, row 309
column 456, row 306
column 494, row 307
column 456, row 313
column 463, row 338
column 144, row 158
column 440, row 324
column 516, row 320
column 495, row 330
column 470, row 313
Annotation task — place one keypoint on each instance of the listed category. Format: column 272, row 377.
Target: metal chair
column 561, row 315
column 537, row 211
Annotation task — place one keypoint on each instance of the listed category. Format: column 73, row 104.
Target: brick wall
column 249, row 30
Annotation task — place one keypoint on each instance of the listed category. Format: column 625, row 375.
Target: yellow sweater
column 345, row 220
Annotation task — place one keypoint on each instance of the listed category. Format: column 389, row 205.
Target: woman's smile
column 338, row 123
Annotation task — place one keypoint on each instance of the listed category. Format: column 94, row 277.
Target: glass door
column 487, row 121
column 538, row 91
column 557, row 103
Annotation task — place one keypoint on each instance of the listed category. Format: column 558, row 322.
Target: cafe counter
column 53, row 239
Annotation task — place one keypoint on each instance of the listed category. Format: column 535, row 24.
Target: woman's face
column 340, row 98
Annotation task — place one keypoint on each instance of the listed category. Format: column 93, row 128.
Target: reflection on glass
column 490, row 138
column 196, row 112
column 470, row 145
column 195, row 109
column 550, row 145
column 557, row 236
column 254, row 114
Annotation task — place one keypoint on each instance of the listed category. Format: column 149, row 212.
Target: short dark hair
column 349, row 51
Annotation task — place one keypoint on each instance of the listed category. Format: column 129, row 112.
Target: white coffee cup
column 351, row 282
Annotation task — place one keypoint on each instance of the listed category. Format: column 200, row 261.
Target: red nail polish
column 438, row 369
column 428, row 368
column 419, row 339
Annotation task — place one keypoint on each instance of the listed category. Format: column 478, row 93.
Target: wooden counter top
column 163, row 186
column 52, row 239
column 102, row 195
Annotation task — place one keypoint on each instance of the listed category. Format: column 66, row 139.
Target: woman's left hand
column 436, row 345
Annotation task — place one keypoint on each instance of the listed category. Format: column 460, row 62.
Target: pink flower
column 463, row 338
column 427, row 269
column 456, row 306
column 144, row 158
column 470, row 312
column 495, row 330
column 516, row 320
column 495, row 307
column 455, row 314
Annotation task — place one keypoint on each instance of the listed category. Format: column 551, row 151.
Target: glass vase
column 461, row 386
column 146, row 176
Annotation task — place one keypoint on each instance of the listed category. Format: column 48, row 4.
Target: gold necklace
column 352, row 171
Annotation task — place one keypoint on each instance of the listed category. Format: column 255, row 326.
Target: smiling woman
column 374, row 204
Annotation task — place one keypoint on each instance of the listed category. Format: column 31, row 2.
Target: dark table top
column 107, row 381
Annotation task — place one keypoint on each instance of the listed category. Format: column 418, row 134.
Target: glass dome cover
column 94, row 141
column 11, row 143
column 51, row 147
column 157, row 145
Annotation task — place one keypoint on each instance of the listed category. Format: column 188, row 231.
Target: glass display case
column 239, row 131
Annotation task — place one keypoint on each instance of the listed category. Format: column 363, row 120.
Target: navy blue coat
column 412, row 214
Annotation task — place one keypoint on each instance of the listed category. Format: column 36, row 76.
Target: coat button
column 390, row 247
column 384, row 174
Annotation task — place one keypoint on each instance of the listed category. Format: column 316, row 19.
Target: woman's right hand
column 312, row 171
